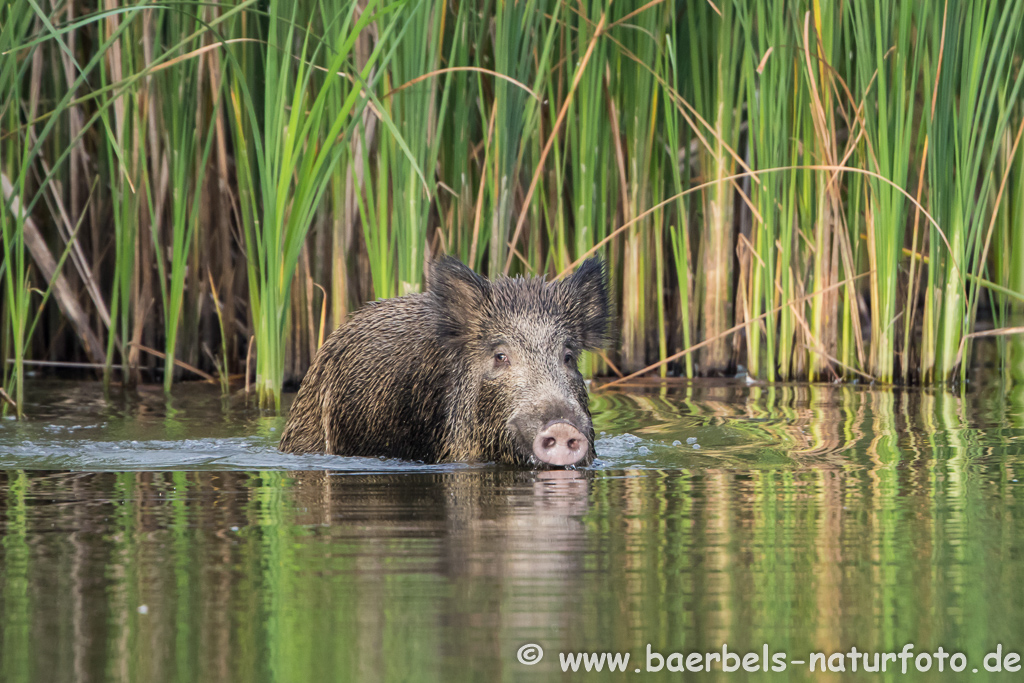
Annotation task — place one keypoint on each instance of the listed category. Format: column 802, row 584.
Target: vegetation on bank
column 809, row 189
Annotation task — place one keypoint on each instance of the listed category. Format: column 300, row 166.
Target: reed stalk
column 773, row 98
column 417, row 110
column 187, row 142
column 636, row 99
column 1013, row 257
column 293, row 162
column 971, row 53
column 679, row 147
column 887, row 68
column 15, row 23
column 717, row 92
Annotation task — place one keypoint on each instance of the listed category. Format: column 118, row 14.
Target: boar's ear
column 460, row 295
column 585, row 296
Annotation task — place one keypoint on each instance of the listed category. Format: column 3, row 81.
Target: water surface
column 154, row 539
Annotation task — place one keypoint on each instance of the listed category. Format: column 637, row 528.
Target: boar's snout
column 559, row 443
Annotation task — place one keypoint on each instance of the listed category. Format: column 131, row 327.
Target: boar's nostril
column 560, row 443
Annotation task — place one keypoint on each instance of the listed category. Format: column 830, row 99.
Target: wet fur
column 415, row 377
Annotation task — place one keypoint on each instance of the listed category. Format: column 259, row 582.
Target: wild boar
column 471, row 370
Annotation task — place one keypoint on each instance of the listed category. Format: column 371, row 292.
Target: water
column 155, row 540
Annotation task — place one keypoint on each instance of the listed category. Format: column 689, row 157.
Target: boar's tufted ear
column 460, row 295
column 585, row 296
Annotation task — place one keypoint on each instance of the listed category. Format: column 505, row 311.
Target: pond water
column 153, row 539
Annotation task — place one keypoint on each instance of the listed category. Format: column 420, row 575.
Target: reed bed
column 804, row 190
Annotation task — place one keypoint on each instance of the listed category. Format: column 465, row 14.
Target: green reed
column 190, row 174
column 888, row 86
column 126, row 175
column 971, row 55
column 589, row 156
column 15, row 27
column 776, row 100
column 1010, row 252
column 716, row 88
column 413, row 51
column 187, row 140
column 289, row 158
column 518, row 29
column 821, row 219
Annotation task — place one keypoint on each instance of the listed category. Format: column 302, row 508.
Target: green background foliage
column 208, row 189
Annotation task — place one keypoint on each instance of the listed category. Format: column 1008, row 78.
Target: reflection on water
column 809, row 518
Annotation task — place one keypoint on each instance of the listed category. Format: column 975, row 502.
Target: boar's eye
column 568, row 357
column 500, row 359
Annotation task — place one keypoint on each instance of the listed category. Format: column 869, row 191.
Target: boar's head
column 517, row 395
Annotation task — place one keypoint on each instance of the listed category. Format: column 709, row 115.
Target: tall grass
column 973, row 67
column 187, row 143
column 286, row 136
column 776, row 108
column 888, row 104
column 16, row 23
column 804, row 190
column 413, row 52
column 717, row 94
column 1009, row 253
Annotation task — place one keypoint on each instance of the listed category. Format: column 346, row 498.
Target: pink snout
column 560, row 444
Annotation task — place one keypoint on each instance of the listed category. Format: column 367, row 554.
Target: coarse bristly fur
column 469, row 371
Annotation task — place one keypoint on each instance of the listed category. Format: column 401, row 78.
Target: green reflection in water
column 16, row 661
column 812, row 519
